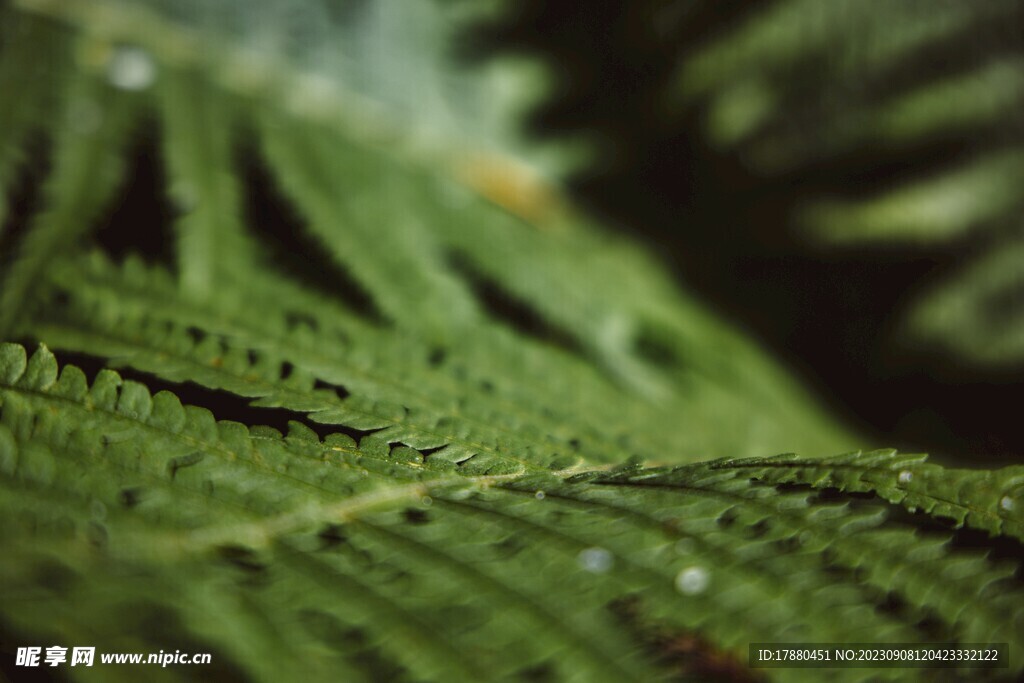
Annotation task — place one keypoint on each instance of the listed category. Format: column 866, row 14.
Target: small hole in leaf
column 195, row 334
column 415, row 516
column 436, row 357
column 130, row 497
column 540, row 673
column 331, row 536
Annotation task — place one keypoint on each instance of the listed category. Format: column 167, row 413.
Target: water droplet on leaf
column 1006, row 503
column 131, row 68
column 905, row 477
column 692, row 580
column 539, row 495
column 595, row 560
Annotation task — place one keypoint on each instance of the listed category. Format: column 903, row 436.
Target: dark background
column 728, row 233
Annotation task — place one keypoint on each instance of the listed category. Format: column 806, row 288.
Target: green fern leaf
column 448, row 493
column 987, row 500
column 333, row 532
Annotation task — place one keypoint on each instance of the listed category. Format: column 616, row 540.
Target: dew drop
column 595, row 560
column 905, row 477
column 131, row 68
column 539, row 495
column 692, row 580
column 426, row 501
column 1006, row 503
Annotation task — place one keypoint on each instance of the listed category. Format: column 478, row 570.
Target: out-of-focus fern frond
column 932, row 92
column 423, row 267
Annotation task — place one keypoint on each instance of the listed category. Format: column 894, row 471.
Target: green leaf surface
column 324, row 532
column 477, row 436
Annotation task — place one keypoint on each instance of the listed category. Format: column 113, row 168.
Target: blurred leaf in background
column 308, row 362
column 843, row 178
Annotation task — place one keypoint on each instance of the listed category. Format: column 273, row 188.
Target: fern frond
column 383, row 372
column 448, row 495
column 933, row 210
column 987, row 500
column 204, row 519
column 559, row 266
column 973, row 312
column 507, row 421
column 888, row 558
column 353, row 204
column 198, row 143
column 790, row 91
column 25, row 40
column 94, row 122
